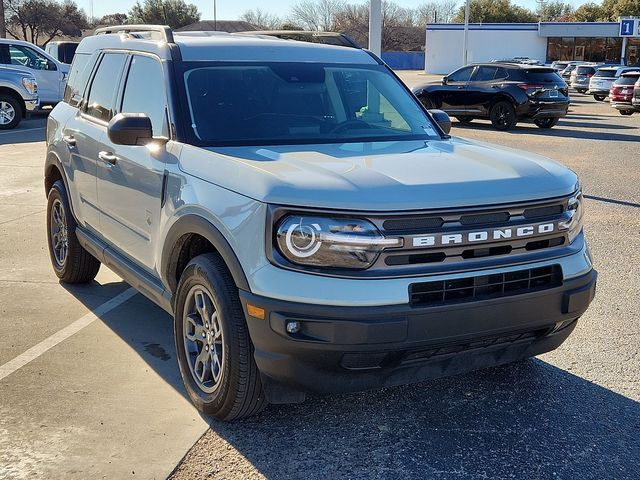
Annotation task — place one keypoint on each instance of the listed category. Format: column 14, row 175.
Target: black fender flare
column 194, row 224
column 53, row 161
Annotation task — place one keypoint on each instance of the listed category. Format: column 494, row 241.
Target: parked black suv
column 505, row 93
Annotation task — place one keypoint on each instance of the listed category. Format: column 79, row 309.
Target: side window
column 28, row 57
column 501, row 73
column 462, row 75
column 101, row 99
column 485, row 74
column 144, row 92
column 78, row 76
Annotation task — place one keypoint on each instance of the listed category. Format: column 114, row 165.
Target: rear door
column 481, row 89
column 453, row 94
column 87, row 130
column 130, row 181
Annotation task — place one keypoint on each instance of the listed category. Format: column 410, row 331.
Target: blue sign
column 627, row 27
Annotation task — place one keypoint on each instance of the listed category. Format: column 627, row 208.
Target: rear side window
column 605, row 74
column 144, row 92
column 78, row 76
column 543, row 75
column 102, row 96
column 67, row 51
column 485, row 74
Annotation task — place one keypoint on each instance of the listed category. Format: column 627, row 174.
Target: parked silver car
column 580, row 77
column 18, row 96
column 601, row 82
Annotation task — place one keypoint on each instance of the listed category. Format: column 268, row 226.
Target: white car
column 50, row 74
column 601, row 82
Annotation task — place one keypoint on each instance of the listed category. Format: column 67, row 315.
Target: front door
column 130, row 178
column 453, row 93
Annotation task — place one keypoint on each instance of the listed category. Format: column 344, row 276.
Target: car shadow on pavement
column 558, row 131
column 528, row 420
column 28, row 131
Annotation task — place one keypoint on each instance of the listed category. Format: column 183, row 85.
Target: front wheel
column 625, row 112
column 600, row 98
column 215, row 353
column 70, row 261
column 10, row 112
column 503, row 116
column 546, row 122
column 464, row 120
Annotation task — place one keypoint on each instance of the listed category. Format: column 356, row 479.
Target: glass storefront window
column 587, row 49
column 632, row 55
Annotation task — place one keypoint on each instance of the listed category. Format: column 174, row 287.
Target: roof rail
column 164, row 30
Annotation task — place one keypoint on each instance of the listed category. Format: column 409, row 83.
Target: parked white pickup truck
column 18, row 96
column 50, row 73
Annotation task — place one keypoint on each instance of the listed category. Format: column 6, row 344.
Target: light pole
column 465, row 42
column 215, row 16
column 375, row 26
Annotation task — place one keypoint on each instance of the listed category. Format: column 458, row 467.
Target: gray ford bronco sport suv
column 308, row 224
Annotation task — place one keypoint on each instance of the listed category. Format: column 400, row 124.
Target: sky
column 232, row 9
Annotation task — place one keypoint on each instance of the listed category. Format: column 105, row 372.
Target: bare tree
column 318, row 14
column 39, row 21
column 441, row 11
column 262, row 19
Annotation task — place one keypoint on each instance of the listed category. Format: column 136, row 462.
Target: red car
column 636, row 96
column 621, row 93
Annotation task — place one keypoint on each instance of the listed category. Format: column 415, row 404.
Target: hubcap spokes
column 203, row 339
column 59, row 236
column 7, row 113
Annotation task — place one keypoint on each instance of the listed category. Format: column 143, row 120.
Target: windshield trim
column 192, row 139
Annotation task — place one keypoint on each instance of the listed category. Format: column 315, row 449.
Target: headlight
column 331, row 242
column 30, row 85
column 573, row 223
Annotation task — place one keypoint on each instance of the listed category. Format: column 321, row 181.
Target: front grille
column 484, row 287
column 412, row 223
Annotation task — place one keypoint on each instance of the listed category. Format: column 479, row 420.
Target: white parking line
column 48, row 343
column 20, row 131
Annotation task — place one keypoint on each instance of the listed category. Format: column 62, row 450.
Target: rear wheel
column 580, row 90
column 546, row 122
column 600, row 98
column 503, row 115
column 10, row 112
column 70, row 261
column 464, row 120
column 625, row 112
column 215, row 353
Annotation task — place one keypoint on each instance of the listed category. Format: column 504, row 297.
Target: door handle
column 69, row 140
column 108, row 157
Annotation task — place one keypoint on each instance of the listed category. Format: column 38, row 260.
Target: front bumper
column 32, row 105
column 345, row 348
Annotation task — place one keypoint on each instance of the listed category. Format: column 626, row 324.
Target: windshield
column 544, row 75
column 605, row 73
column 626, row 80
column 300, row 103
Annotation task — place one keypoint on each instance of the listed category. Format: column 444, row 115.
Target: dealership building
column 608, row 42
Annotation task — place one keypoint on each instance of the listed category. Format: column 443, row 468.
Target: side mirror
column 130, row 129
column 51, row 66
column 445, row 79
column 442, row 119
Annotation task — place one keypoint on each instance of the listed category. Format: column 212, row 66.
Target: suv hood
column 391, row 176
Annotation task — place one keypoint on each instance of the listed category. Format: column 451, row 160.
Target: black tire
column 71, row 262
column 503, row 115
column 9, row 106
column 626, row 112
column 465, row 120
column 581, row 90
column 600, row 98
column 237, row 393
column 546, row 122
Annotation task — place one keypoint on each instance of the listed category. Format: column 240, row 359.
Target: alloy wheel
column 7, row 113
column 203, row 339
column 59, row 233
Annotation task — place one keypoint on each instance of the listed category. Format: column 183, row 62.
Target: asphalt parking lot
column 89, row 386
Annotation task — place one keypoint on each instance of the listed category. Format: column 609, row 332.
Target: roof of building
column 229, row 26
